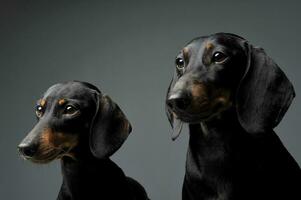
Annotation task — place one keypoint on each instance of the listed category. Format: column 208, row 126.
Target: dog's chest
column 208, row 167
column 206, row 177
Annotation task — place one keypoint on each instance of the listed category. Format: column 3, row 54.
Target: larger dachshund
column 232, row 95
column 82, row 127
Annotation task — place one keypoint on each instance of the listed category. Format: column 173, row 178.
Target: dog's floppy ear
column 109, row 128
column 264, row 93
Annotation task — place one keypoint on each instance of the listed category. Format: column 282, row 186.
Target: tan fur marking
column 61, row 101
column 65, row 140
column 198, row 90
column 224, row 98
column 58, row 139
column 204, row 101
column 55, row 145
column 209, row 45
column 42, row 102
column 46, row 137
column 185, row 52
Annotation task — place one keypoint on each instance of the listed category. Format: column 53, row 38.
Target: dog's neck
column 213, row 146
column 218, row 129
column 211, row 141
column 87, row 178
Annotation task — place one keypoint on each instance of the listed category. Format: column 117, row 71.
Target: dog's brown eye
column 180, row 63
column 70, row 110
column 39, row 111
column 219, row 57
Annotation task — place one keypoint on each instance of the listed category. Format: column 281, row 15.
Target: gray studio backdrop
column 126, row 48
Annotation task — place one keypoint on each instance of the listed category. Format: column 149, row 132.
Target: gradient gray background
column 126, row 48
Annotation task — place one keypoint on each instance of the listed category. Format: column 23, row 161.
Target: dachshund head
column 73, row 118
column 214, row 73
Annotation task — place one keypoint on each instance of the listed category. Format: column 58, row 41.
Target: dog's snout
column 28, row 150
column 179, row 101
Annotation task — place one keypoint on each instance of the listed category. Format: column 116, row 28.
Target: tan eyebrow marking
column 209, row 45
column 185, row 51
column 61, row 101
column 42, row 102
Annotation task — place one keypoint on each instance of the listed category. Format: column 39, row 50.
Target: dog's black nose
column 27, row 150
column 179, row 100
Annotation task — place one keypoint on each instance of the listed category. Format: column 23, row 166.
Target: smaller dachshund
column 82, row 127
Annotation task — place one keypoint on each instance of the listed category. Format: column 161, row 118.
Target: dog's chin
column 198, row 115
column 44, row 159
column 40, row 161
column 194, row 119
column 191, row 117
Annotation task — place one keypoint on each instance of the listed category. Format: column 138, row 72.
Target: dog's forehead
column 69, row 90
column 215, row 40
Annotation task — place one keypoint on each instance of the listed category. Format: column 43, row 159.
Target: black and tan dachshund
column 82, row 127
column 232, row 95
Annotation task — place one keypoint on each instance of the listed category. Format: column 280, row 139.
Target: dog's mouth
column 194, row 115
column 201, row 110
column 191, row 117
column 46, row 155
column 180, row 118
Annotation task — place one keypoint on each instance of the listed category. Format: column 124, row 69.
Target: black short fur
column 232, row 95
column 82, row 127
